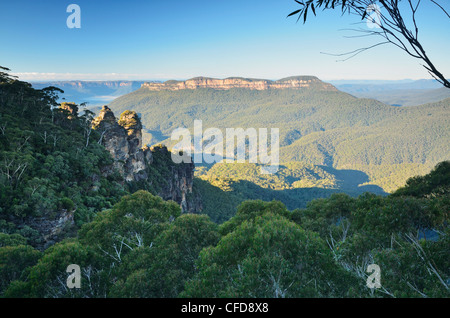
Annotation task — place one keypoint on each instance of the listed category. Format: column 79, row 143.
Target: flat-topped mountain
column 239, row 82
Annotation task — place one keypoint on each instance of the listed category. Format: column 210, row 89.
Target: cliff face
column 123, row 139
column 53, row 229
column 237, row 82
column 177, row 180
column 144, row 167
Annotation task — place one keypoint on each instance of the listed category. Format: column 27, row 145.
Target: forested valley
column 129, row 242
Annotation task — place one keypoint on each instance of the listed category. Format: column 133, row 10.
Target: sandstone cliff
column 123, row 139
column 297, row 82
column 143, row 167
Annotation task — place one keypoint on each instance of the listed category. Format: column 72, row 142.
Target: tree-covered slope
column 317, row 126
column 57, row 173
column 404, row 135
column 52, row 170
column 144, row 247
column 306, row 110
column 225, row 185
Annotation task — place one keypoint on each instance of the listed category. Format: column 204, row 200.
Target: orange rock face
column 237, row 82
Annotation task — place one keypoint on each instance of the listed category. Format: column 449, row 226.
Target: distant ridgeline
column 238, row 82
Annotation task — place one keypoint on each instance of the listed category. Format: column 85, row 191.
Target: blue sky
column 145, row 40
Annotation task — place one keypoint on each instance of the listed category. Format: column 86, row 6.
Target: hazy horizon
column 341, row 80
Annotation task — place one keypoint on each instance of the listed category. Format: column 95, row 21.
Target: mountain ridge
column 97, row 93
column 294, row 82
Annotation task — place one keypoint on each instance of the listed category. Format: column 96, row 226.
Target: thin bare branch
column 448, row 15
column 390, row 22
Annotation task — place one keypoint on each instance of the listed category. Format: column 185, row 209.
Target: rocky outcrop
column 123, row 139
column 71, row 108
column 177, row 180
column 51, row 229
column 238, row 82
column 144, row 167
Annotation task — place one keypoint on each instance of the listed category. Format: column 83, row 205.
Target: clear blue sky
column 144, row 40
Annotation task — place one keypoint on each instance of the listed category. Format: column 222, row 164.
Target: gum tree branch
column 391, row 25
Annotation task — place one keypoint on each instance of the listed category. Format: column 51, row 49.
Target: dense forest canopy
column 144, row 247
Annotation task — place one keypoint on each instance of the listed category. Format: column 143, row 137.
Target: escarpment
column 296, row 82
column 144, row 167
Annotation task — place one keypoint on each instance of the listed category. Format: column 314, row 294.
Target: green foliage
column 434, row 184
column 15, row 260
column 406, row 235
column 133, row 222
column 416, row 269
column 50, row 160
column 218, row 204
column 12, row 240
column 163, row 270
column 143, row 247
column 268, row 256
column 225, row 185
column 249, row 210
column 322, row 214
column 66, row 204
column 48, row 277
column 128, row 119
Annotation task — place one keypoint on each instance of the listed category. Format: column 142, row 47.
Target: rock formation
column 52, row 229
column 71, row 108
column 123, row 139
column 144, row 167
column 177, row 182
column 297, row 82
